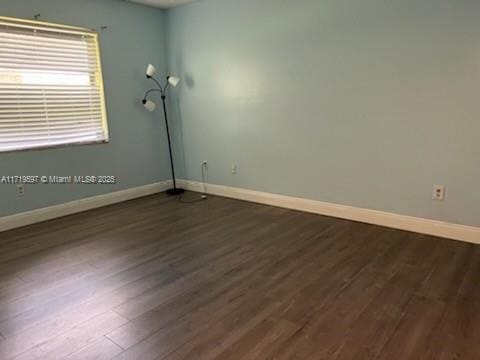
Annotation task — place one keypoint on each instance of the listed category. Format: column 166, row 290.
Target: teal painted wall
column 365, row 103
column 360, row 103
column 137, row 152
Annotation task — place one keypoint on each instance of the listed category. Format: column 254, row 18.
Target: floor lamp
column 150, row 106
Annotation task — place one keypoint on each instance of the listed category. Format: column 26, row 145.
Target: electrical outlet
column 20, row 190
column 438, row 192
column 234, row 169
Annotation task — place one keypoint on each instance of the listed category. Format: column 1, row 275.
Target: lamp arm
column 150, row 91
column 158, row 84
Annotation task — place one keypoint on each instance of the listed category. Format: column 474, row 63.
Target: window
column 51, row 87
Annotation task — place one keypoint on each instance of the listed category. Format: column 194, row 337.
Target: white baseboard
column 409, row 223
column 73, row 207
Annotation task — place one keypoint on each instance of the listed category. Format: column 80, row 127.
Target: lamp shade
column 151, row 70
column 173, row 80
column 149, row 105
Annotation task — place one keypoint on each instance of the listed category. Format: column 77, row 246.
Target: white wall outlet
column 20, row 190
column 438, row 192
column 234, row 169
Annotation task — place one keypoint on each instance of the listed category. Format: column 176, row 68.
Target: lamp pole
column 175, row 190
column 163, row 90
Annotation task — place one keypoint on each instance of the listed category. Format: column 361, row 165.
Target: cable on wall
column 204, row 195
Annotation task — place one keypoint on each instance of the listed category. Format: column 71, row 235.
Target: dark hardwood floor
column 154, row 278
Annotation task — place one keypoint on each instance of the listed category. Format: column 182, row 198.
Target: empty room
column 239, row 179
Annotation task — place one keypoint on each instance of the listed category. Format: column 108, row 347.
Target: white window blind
column 51, row 87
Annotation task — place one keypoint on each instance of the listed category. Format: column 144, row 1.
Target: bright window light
column 42, row 78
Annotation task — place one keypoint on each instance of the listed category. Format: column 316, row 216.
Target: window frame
column 78, row 31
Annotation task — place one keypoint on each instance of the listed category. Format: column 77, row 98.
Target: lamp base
column 174, row 192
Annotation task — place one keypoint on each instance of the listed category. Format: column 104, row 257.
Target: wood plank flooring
column 155, row 278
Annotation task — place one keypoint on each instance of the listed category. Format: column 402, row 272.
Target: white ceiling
column 163, row 4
